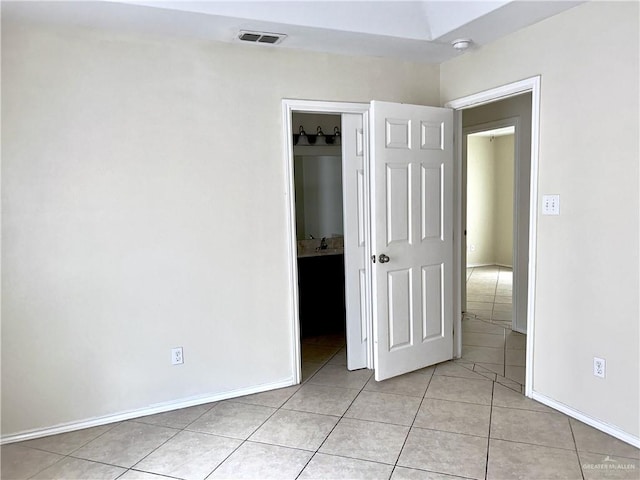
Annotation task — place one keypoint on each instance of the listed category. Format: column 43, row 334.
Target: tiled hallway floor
column 489, row 346
column 489, row 294
column 442, row 422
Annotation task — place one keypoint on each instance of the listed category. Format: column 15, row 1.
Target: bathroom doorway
column 325, row 163
column 319, row 226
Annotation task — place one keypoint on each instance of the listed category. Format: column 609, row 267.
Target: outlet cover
column 599, row 367
column 176, row 356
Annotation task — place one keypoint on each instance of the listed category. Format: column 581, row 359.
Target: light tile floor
column 489, row 294
column 444, row 422
column 489, row 346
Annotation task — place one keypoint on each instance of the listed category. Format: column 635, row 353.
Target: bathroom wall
column 319, row 196
column 318, row 180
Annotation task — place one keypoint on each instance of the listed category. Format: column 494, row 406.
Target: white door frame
column 312, row 106
column 488, row 96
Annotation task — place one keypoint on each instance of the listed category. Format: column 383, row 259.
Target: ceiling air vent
column 261, row 37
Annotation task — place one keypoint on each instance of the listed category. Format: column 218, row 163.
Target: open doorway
column 402, row 207
column 320, row 238
column 328, row 231
column 490, row 161
column 496, row 175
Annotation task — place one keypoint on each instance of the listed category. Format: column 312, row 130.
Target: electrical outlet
column 176, row 356
column 599, row 367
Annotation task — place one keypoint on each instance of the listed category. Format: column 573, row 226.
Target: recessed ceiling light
column 461, row 44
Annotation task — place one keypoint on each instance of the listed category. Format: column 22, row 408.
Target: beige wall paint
column 490, row 200
column 586, row 295
column 504, row 162
column 143, row 189
column 481, row 202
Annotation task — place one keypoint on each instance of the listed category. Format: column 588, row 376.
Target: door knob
column 383, row 258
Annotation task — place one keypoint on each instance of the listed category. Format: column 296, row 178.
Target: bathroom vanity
column 321, row 292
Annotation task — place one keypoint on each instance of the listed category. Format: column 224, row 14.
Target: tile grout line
column 339, row 419
column 132, row 469
column 575, row 444
column 517, row 442
column 486, row 464
column 73, row 457
column 70, row 454
column 115, row 424
column 242, row 441
column 424, row 395
column 322, row 365
column 179, row 431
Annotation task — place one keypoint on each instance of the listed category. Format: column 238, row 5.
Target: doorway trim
column 289, row 106
column 532, row 85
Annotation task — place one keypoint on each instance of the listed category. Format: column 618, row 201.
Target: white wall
column 143, row 189
column 586, row 292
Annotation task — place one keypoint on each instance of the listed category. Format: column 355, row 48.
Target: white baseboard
column 595, row 423
column 150, row 410
column 477, row 265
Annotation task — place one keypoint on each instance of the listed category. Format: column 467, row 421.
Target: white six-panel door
column 411, row 234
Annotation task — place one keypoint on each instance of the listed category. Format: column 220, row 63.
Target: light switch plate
column 551, row 204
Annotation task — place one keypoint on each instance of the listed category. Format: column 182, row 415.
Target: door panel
column 432, row 311
column 412, row 224
column 355, row 228
column 400, row 304
column 398, row 203
column 431, row 202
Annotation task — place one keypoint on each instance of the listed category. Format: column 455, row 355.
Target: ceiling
column 419, row 31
